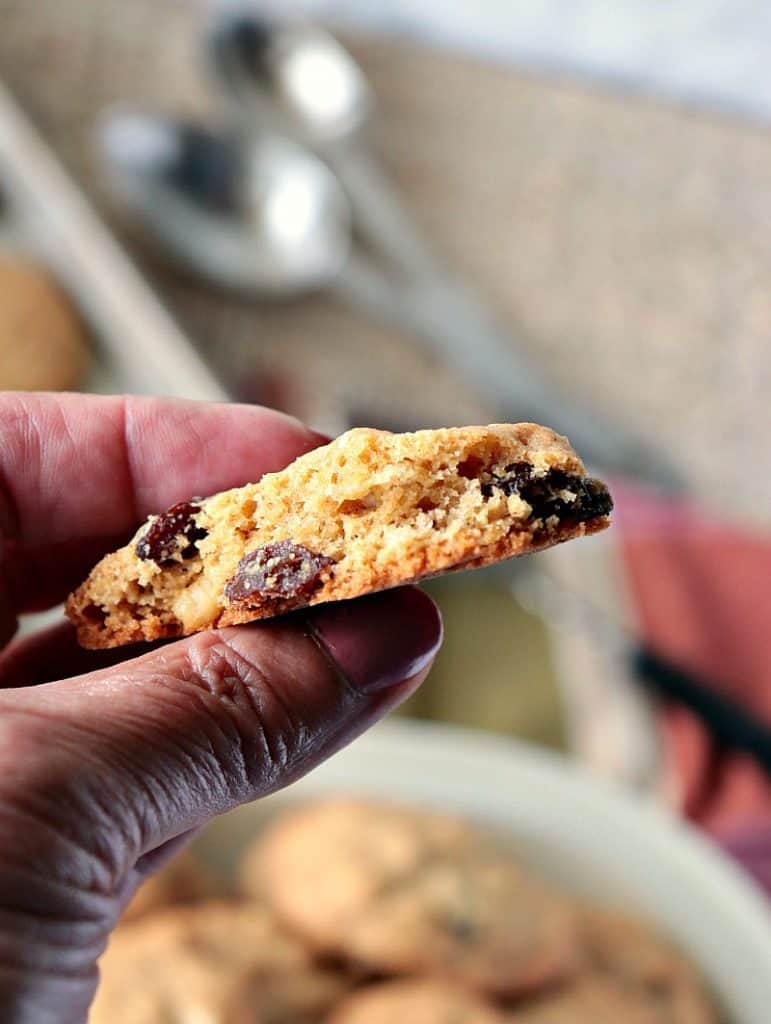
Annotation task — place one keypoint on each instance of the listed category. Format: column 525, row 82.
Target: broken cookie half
column 368, row 511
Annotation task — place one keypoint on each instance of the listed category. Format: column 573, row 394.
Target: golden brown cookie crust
column 419, row 1001
column 221, row 962
column 628, row 952
column 590, row 1000
column 43, row 342
column 369, row 511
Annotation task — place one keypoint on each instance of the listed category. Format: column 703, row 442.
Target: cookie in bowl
column 406, row 891
column 223, row 963
column 418, row 1001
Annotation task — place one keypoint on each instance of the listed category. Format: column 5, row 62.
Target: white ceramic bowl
column 588, row 836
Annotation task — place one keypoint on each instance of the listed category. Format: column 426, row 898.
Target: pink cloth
column 702, row 591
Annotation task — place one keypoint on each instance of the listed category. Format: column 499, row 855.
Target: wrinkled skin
column 109, row 760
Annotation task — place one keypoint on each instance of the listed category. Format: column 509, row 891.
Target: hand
column 109, row 759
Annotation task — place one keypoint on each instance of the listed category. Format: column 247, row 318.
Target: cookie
column 592, row 1000
column 369, row 511
column 181, row 881
column 43, row 342
column 631, row 953
column 402, row 891
column 418, row 1001
column 217, row 962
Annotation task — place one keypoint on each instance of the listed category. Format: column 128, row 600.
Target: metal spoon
column 261, row 215
column 267, row 216
column 291, row 76
column 264, row 215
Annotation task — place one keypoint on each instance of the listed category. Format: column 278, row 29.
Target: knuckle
column 266, row 730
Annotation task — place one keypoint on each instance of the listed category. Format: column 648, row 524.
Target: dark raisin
column 515, row 476
column 462, row 928
column 545, row 494
column 594, row 499
column 277, row 572
column 173, row 533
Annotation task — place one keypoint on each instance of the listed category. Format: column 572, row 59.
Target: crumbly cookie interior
column 368, row 511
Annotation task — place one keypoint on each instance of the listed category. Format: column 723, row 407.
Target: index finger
column 78, row 473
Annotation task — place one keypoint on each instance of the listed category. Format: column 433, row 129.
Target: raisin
column 172, row 533
column 517, row 475
column 594, row 499
column 462, row 928
column 544, row 494
column 277, row 572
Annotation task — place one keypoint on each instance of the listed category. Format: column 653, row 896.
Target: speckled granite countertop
column 628, row 243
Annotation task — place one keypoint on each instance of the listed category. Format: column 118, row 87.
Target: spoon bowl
column 259, row 214
column 290, row 74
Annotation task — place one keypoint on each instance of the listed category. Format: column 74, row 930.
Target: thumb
column 99, row 770
column 157, row 745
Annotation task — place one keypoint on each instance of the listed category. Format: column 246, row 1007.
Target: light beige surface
column 626, row 242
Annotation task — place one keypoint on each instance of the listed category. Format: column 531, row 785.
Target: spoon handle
column 456, row 323
column 457, row 326
column 429, row 302
column 380, row 215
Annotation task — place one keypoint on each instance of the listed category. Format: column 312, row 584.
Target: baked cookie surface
column 633, row 955
column 404, row 891
column 591, row 1000
column 369, row 511
column 218, row 962
column 419, row 1001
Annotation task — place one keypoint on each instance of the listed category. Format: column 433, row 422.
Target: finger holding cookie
column 102, row 771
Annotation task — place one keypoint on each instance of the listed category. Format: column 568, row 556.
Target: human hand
column 109, row 759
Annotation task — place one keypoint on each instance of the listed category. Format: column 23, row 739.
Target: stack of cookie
column 360, row 912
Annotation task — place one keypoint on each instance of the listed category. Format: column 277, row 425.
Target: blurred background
column 555, row 211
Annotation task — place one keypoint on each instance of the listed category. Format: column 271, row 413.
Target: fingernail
column 380, row 640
